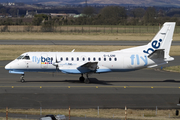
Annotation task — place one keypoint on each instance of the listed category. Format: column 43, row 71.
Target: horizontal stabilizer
column 157, row 65
column 157, row 54
column 169, row 59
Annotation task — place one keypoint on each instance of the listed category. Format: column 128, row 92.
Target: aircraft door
column 44, row 62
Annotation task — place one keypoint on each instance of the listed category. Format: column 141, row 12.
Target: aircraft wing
column 78, row 67
column 90, row 66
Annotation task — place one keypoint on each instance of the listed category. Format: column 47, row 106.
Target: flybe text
column 42, row 60
column 139, row 59
column 155, row 45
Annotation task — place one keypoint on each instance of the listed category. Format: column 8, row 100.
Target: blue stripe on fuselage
column 69, row 71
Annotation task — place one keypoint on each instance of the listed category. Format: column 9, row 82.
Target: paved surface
column 77, row 42
column 146, row 88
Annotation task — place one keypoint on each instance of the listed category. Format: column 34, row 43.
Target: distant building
column 80, row 15
column 5, row 15
column 8, row 4
column 1, row 16
column 58, row 14
column 71, row 15
column 30, row 14
column 11, row 4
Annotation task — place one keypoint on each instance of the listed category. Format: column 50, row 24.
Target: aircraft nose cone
column 7, row 66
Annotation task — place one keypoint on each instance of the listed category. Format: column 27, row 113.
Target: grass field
column 82, row 32
column 104, row 113
column 75, row 36
column 86, row 28
column 172, row 69
column 9, row 118
column 10, row 52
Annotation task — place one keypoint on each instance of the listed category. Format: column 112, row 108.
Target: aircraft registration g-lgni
column 151, row 55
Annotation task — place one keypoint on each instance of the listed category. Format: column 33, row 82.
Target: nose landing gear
column 22, row 78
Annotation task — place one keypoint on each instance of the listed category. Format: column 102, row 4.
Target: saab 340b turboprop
column 147, row 56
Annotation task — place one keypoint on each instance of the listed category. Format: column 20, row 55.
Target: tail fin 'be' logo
column 155, row 45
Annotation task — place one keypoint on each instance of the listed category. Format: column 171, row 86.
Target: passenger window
column 72, row 59
column 99, row 59
column 83, row 59
column 77, row 59
column 104, row 59
column 89, row 59
column 61, row 59
column 109, row 59
column 115, row 59
column 67, row 59
column 94, row 59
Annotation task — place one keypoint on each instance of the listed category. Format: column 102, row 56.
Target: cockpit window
column 20, row 57
column 26, row 57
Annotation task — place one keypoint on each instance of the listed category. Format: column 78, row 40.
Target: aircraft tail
column 162, row 41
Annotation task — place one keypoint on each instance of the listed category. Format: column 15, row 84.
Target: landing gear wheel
column 81, row 79
column 22, row 80
column 177, row 112
column 87, row 81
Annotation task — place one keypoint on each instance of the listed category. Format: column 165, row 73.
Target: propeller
column 56, row 64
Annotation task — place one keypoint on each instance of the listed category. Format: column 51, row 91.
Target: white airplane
column 147, row 56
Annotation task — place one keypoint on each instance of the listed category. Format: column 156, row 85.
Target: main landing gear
column 22, row 78
column 82, row 79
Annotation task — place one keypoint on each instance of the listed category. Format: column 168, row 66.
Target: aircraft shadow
column 102, row 82
column 169, row 80
column 92, row 81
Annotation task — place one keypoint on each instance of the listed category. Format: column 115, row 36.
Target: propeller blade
column 56, row 63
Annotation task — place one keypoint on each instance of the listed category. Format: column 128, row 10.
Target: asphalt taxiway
column 145, row 89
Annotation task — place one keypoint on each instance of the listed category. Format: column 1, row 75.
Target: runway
column 144, row 89
column 77, row 42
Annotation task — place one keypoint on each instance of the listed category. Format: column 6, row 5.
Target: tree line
column 109, row 15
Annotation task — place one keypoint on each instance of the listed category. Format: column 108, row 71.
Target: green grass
column 93, row 32
column 133, row 114
column 172, row 69
column 84, row 32
column 136, row 29
column 10, row 118
column 76, row 36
